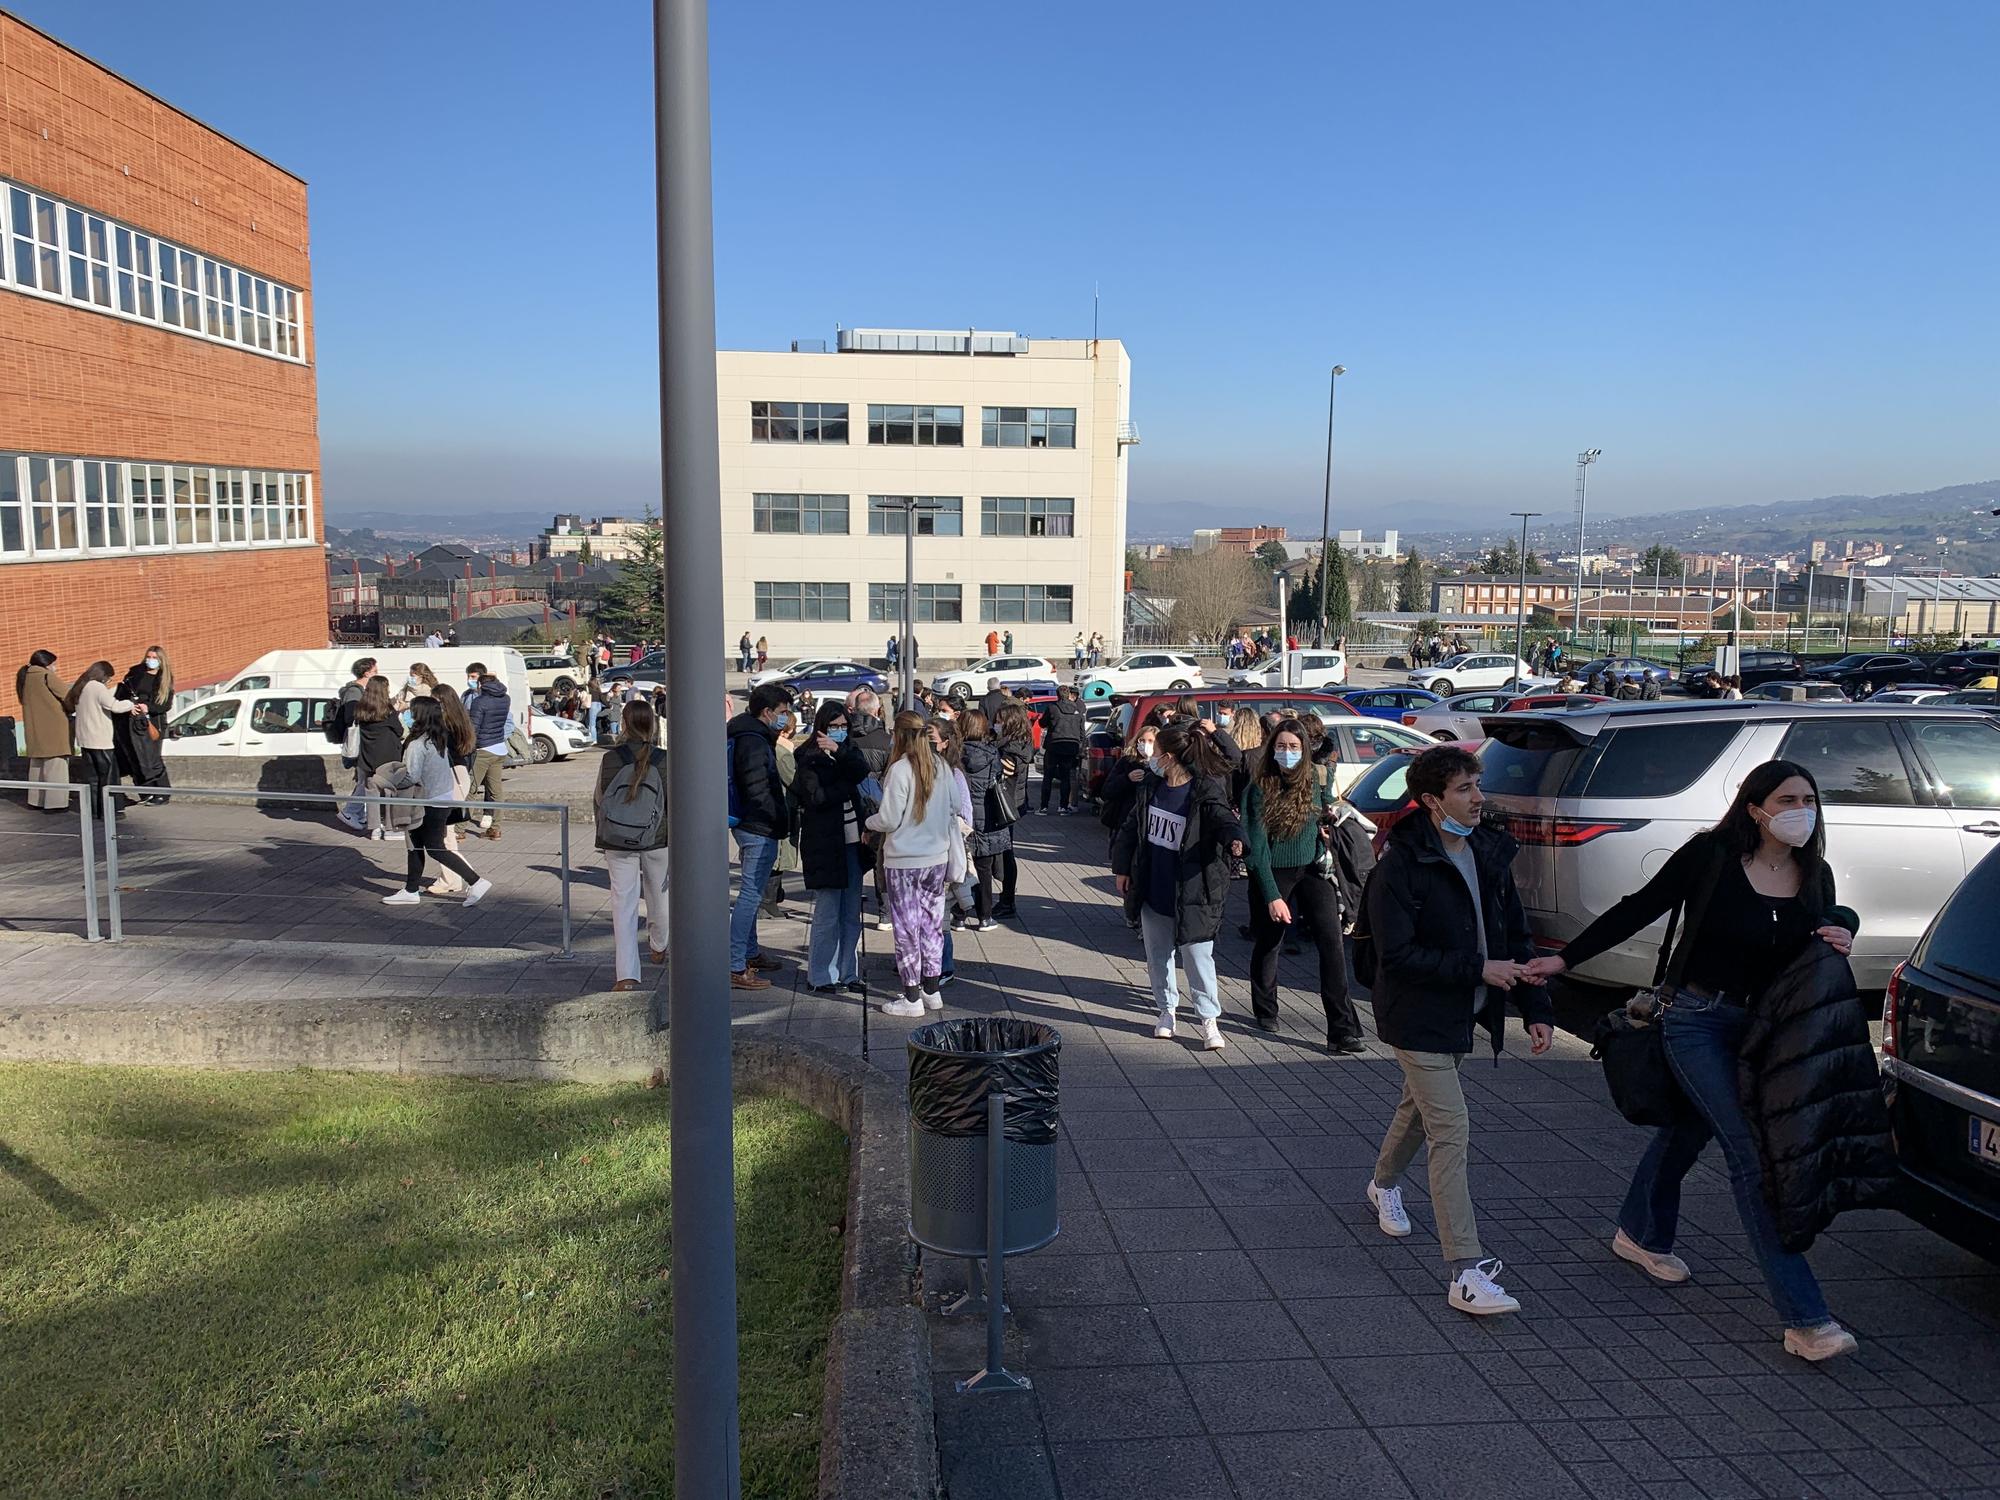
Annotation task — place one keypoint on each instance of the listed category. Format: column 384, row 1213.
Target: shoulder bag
column 1630, row 1043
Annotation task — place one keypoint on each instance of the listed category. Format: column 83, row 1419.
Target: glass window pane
column 1853, row 762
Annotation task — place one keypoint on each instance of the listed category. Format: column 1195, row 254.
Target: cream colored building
column 609, row 538
column 1021, row 443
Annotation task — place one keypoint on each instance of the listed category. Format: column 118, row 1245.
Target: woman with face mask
column 1754, row 892
column 149, row 686
column 825, row 784
column 1284, row 807
column 1121, row 782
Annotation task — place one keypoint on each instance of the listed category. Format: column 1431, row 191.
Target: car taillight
column 1892, row 1000
column 1564, row 833
column 1409, row 719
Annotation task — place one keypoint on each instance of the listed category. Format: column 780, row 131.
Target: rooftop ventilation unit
column 928, row 341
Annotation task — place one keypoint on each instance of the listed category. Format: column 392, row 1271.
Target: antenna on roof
column 1093, row 323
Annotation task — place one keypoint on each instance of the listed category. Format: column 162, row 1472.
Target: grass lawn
column 255, row 1284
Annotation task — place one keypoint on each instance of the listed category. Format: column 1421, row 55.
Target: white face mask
column 152, row 664
column 1793, row 826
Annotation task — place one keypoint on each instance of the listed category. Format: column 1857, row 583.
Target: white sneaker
column 883, row 924
column 1211, row 1036
column 1164, row 1030
column 972, row 924
column 1821, row 1341
column 1475, row 1291
column 393, row 835
column 1658, row 1264
column 402, row 898
column 906, row 1008
column 449, row 887
column 1389, row 1213
column 476, row 891
column 933, row 1000
column 376, row 834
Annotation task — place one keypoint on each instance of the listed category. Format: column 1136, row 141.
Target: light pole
column 1583, row 462
column 909, row 507
column 702, row 1149
column 1521, row 604
column 1326, row 504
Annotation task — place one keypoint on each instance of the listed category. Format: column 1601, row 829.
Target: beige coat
column 43, row 715
column 94, row 707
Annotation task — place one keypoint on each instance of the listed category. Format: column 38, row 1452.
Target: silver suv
column 1599, row 797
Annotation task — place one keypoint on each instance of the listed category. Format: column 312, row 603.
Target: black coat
column 981, row 764
column 1202, row 873
column 753, row 761
column 1118, row 791
column 823, row 787
column 1812, row 1093
column 1427, row 949
column 381, row 745
column 1063, row 724
column 870, row 736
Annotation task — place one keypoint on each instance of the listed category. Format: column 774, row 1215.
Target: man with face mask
column 1451, row 947
column 758, row 819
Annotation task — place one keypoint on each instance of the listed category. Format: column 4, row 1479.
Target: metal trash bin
column 954, row 1067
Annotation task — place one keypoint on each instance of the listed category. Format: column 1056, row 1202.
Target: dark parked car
column 1862, row 673
column 1756, row 669
column 1984, row 699
column 1389, row 703
column 1957, row 668
column 1941, row 1055
column 1816, row 692
column 1625, row 666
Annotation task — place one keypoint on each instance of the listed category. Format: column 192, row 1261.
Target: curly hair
column 1288, row 796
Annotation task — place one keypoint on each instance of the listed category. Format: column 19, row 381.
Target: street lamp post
column 1521, row 604
column 1583, row 462
column 909, row 507
column 1326, row 505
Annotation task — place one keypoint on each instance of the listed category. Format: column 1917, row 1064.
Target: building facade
column 1498, row 594
column 1014, row 449
column 1355, row 545
column 608, row 539
column 159, row 443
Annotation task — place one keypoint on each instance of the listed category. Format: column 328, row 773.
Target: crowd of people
column 111, row 723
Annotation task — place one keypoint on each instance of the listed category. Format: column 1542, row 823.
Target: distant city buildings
column 1240, row 539
column 1353, row 544
column 606, row 539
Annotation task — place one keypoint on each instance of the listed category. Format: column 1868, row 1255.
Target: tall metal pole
column 1847, row 610
column 702, row 1162
column 1521, row 604
column 908, row 649
column 1812, row 570
column 1326, row 506
column 1583, row 462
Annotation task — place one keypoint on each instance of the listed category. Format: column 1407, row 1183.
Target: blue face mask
column 405, row 716
column 1288, row 758
column 838, row 736
column 1462, row 830
column 1157, row 766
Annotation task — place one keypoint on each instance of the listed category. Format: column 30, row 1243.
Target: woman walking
column 464, row 745
column 763, row 653
column 1286, row 807
column 1017, row 753
column 45, row 723
column 381, row 737
column 149, row 681
column 1171, row 859
column 917, row 819
column 92, row 704
column 826, row 786
column 1757, row 890
column 427, row 757
column 641, row 869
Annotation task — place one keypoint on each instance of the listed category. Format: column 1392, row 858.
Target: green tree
column 583, row 552
column 1503, row 561
column 1668, row 559
column 634, row 604
column 1412, row 583
column 1534, row 563
column 1304, row 607
column 1272, row 555
column 1374, row 592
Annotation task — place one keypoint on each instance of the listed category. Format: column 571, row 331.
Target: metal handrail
column 337, row 798
column 90, row 931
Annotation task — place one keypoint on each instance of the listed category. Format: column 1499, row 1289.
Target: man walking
column 1062, row 748
column 486, row 704
column 1077, row 652
column 758, row 821
column 1451, row 944
column 1007, row 643
column 744, row 651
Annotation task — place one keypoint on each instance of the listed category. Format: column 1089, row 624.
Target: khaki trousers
column 1433, row 1109
column 44, row 768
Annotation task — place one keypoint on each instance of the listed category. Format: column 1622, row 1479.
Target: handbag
column 1631, row 1044
column 957, row 863
column 1000, row 809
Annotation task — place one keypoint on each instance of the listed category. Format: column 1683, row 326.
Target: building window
column 1028, row 426
column 1026, row 515
column 1029, row 603
column 57, row 506
column 935, row 601
column 917, row 426
column 885, row 515
column 802, row 601
column 53, row 249
column 807, row 515
column 798, row 421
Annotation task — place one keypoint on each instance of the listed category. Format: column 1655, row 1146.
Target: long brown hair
column 97, row 671
column 637, row 727
column 1287, row 795
column 1191, row 749
column 972, row 725
column 163, row 682
column 457, row 722
column 952, row 749
column 913, row 743
column 1011, row 723
column 374, row 705
column 1246, row 728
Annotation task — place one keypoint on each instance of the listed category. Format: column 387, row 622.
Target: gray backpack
column 629, row 818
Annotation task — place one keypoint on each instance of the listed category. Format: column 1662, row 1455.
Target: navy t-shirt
column 1166, row 822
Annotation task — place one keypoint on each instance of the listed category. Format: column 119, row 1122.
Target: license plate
column 1984, row 1139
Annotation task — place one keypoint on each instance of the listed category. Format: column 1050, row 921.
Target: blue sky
column 1749, row 251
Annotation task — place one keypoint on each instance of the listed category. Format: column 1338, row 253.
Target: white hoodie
column 915, row 843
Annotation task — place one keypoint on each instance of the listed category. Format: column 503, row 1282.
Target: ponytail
column 1192, row 748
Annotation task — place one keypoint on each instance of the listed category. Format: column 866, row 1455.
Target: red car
column 1380, row 795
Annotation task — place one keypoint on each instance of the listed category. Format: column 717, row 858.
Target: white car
column 1470, row 669
column 551, row 671
column 266, row 723
column 792, row 669
column 1307, row 668
column 1146, row 672
column 1362, row 741
column 1909, row 695
column 1000, row 671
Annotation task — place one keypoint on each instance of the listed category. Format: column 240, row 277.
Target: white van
column 332, row 670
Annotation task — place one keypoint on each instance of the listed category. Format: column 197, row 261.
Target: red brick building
column 159, row 429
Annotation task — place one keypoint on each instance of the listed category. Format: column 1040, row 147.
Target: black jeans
column 1058, row 769
column 428, row 838
column 1316, row 901
column 100, row 770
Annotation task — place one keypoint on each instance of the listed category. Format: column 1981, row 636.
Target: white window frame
column 196, row 497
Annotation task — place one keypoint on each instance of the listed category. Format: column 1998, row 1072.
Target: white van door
column 288, row 723
column 213, row 726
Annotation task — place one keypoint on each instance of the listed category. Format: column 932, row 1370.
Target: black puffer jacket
column 1812, row 1093
column 823, row 786
column 1202, row 875
column 1063, row 724
column 1427, row 949
column 753, row 762
column 981, row 764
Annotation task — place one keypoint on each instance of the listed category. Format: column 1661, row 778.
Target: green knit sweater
column 1263, row 853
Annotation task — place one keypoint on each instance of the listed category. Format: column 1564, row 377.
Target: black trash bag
column 954, row 1065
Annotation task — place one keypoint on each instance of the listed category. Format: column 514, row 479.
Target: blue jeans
column 590, row 719
column 1703, row 1038
column 836, row 927
column 756, row 856
column 1197, row 958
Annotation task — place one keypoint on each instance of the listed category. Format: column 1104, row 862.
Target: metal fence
column 91, row 930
